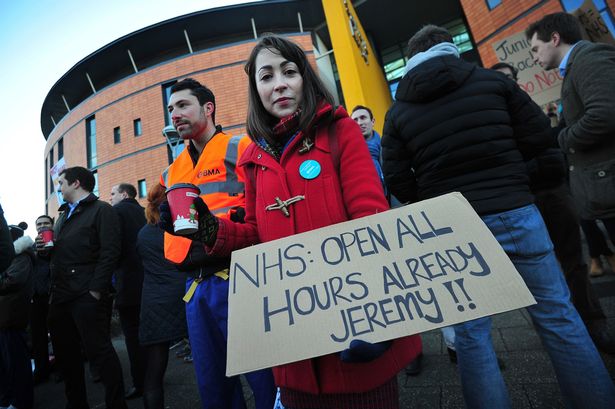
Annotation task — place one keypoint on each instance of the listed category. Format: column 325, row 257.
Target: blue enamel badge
column 309, row 169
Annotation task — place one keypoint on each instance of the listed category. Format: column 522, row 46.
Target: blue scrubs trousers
column 207, row 317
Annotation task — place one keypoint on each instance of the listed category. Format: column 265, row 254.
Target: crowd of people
column 453, row 127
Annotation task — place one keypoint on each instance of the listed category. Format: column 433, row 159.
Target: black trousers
column 596, row 242
column 560, row 215
column 129, row 320
column 38, row 326
column 16, row 386
column 83, row 322
column 153, row 388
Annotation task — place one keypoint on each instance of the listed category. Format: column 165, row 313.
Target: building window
column 570, row 5
column 117, row 137
column 95, row 191
column 136, row 125
column 166, row 95
column 49, row 184
column 142, row 188
column 394, row 62
column 461, row 36
column 90, row 142
column 60, row 148
column 493, row 3
column 603, row 9
column 51, row 187
column 46, row 182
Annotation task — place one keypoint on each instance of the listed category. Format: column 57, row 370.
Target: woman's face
column 279, row 83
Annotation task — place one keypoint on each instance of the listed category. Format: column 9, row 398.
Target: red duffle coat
column 330, row 198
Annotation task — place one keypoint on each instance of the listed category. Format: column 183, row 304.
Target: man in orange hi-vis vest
column 209, row 162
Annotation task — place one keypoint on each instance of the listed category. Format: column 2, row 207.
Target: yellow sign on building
column 361, row 77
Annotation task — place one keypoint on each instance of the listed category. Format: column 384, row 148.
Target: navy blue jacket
column 129, row 274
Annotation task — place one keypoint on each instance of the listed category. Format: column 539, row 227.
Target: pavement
column 528, row 371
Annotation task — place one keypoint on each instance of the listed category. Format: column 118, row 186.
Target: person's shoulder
column 91, row 201
column 247, row 152
column 127, row 205
column 588, row 46
column 101, row 204
column 586, row 52
column 347, row 129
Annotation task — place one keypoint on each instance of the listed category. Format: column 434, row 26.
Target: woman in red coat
column 312, row 157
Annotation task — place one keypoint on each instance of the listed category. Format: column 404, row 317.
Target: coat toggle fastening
column 282, row 205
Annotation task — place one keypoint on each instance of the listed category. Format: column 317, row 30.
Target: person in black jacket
column 458, row 127
column 129, row 280
column 7, row 252
column 15, row 292
column 40, row 308
column 549, row 184
column 163, row 312
column 86, row 252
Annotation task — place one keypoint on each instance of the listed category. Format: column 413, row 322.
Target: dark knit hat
column 17, row 231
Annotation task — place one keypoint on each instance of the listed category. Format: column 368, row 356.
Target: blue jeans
column 583, row 379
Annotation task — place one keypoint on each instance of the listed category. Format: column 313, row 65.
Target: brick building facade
column 123, row 120
column 510, row 17
column 141, row 97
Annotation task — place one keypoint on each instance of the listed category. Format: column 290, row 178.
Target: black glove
column 208, row 223
column 362, row 352
column 166, row 221
column 238, row 215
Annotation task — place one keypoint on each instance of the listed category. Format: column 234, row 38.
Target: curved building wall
column 140, row 96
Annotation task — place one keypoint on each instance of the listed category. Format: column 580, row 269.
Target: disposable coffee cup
column 181, row 201
column 47, row 236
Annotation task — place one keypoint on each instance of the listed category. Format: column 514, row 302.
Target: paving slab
column 528, row 371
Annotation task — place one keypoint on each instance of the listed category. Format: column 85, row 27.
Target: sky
column 40, row 40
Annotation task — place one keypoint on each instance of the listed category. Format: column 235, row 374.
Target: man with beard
column 209, row 162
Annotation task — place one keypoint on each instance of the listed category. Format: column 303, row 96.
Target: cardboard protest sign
column 543, row 86
column 54, row 172
column 405, row 271
column 593, row 24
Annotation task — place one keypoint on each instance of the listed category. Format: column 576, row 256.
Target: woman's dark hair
column 259, row 121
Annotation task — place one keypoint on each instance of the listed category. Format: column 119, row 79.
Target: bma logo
column 208, row 172
column 356, row 34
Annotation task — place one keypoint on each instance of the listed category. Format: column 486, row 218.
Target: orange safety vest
column 221, row 183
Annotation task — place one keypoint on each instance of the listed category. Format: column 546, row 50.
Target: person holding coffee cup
column 85, row 253
column 206, row 169
column 308, row 167
column 40, row 302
